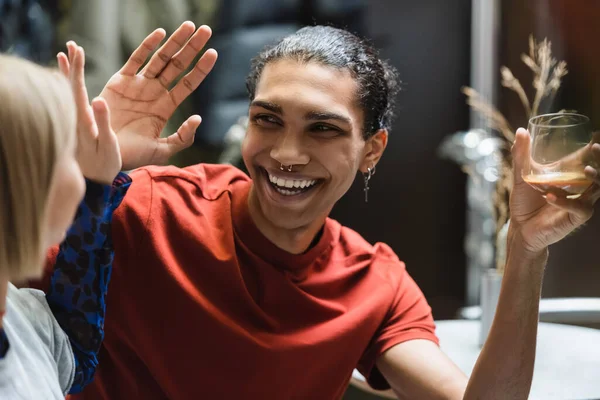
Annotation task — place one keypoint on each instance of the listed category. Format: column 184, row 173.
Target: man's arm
column 420, row 370
column 504, row 368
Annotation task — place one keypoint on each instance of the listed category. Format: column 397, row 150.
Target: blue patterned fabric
column 4, row 345
column 79, row 282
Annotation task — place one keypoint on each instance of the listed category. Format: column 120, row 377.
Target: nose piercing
column 284, row 167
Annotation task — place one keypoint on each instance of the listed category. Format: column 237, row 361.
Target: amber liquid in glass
column 562, row 184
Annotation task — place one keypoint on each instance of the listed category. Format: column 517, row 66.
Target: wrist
column 519, row 249
column 107, row 181
column 101, row 180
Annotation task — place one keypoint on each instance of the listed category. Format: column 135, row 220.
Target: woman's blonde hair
column 37, row 123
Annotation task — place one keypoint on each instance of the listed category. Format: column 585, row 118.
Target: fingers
column 102, row 117
column 194, row 78
column 596, row 154
column 184, row 137
column 63, row 63
column 594, row 195
column 520, row 155
column 84, row 114
column 139, row 55
column 580, row 210
column 184, row 57
column 592, row 171
column 71, row 46
column 592, row 174
column 175, row 42
column 78, row 74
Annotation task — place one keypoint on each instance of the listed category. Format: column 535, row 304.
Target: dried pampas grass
column 547, row 78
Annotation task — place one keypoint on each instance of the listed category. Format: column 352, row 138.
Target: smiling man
column 305, row 128
column 230, row 286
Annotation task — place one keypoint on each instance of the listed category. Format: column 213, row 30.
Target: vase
column 491, row 283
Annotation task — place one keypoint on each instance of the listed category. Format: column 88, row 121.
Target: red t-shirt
column 202, row 306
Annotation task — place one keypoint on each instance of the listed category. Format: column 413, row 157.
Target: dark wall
column 417, row 201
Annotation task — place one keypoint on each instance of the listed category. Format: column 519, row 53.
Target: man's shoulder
column 381, row 259
column 379, row 267
column 210, row 179
column 353, row 242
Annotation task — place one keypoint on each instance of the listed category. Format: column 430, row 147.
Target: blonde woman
column 48, row 343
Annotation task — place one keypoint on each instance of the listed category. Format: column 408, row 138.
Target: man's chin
column 286, row 220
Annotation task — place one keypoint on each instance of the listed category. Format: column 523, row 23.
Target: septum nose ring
column 286, row 167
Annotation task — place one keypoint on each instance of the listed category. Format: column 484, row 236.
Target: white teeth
column 291, row 183
column 286, row 192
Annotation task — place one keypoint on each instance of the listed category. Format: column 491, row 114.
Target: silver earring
column 367, row 177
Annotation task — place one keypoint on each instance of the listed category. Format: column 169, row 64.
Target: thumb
column 102, row 116
column 184, row 137
column 521, row 154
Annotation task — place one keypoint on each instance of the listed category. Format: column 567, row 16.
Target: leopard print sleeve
column 81, row 274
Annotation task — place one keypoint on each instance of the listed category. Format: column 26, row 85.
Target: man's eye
column 262, row 119
column 325, row 130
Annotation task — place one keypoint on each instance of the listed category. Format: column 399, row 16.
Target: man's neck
column 294, row 241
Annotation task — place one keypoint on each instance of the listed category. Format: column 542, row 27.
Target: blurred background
column 421, row 203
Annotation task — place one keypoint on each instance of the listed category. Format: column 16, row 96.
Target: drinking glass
column 561, row 148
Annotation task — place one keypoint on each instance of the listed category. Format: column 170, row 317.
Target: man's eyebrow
column 323, row 116
column 276, row 108
column 311, row 115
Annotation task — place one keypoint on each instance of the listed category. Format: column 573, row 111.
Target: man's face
column 305, row 115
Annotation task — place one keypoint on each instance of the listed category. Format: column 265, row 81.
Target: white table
column 567, row 365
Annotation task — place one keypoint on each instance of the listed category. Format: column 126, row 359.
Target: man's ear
column 374, row 148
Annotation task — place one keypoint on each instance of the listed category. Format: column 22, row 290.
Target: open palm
column 98, row 152
column 142, row 102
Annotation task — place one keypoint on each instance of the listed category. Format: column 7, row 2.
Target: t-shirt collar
column 247, row 231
